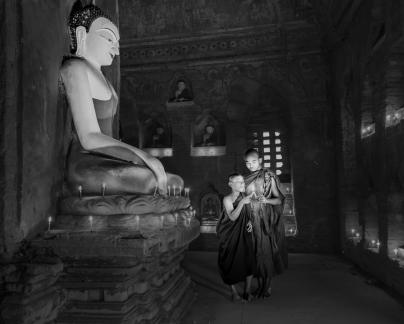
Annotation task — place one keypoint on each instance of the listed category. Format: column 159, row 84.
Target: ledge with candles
column 354, row 236
column 125, row 216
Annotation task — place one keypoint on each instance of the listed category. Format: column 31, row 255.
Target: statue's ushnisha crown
column 83, row 17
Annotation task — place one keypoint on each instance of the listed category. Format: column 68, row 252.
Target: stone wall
column 265, row 69
column 32, row 133
column 367, row 82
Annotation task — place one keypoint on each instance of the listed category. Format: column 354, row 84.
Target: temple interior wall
column 251, row 66
column 260, row 62
column 366, row 88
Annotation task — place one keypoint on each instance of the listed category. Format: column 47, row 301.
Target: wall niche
column 208, row 135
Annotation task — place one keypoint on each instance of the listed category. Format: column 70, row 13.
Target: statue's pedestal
column 124, row 268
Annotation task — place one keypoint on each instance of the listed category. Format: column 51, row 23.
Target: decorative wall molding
column 272, row 40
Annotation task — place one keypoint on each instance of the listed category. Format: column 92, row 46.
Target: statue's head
column 181, row 85
column 94, row 36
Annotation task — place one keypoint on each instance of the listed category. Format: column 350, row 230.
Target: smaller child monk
column 236, row 254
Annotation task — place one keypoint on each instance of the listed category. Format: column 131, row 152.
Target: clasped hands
column 249, row 227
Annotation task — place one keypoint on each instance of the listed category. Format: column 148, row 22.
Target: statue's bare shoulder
column 73, row 67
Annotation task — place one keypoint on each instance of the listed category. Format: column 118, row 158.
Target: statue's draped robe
column 116, row 167
column 268, row 227
column 236, row 255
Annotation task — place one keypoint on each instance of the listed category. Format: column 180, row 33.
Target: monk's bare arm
column 234, row 213
column 275, row 193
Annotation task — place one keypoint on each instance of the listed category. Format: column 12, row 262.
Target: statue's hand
column 158, row 169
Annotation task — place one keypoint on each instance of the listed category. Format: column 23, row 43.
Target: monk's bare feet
column 248, row 297
column 235, row 297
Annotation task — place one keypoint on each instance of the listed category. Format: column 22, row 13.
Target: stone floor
column 316, row 289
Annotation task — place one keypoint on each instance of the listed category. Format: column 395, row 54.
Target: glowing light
column 279, row 164
column 137, row 221
column 90, row 218
column 49, row 222
column 279, row 156
column 278, row 149
column 278, row 172
column 277, row 141
column 277, row 133
column 266, row 142
column 265, row 134
column 267, row 157
column 267, row 165
column 267, row 150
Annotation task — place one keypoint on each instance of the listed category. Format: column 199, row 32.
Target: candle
column 80, row 188
column 353, row 231
column 378, row 244
column 49, row 222
column 180, row 191
column 104, row 187
column 168, row 190
column 395, row 252
column 161, row 221
column 155, row 190
column 357, row 235
column 91, row 223
column 373, row 242
column 174, row 187
column 176, row 218
column 194, row 213
column 137, row 220
column 186, row 192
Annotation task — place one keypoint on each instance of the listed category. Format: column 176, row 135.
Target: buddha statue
column 96, row 159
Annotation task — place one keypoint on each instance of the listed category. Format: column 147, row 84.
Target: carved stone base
column 117, row 275
column 120, row 204
column 31, row 292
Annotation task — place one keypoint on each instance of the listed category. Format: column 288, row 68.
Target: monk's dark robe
column 236, row 255
column 268, row 227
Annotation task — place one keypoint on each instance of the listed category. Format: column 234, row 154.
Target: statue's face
column 102, row 42
column 181, row 85
column 210, row 129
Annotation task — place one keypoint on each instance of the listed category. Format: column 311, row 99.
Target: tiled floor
column 316, row 289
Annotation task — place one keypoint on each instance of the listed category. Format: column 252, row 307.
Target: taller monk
column 96, row 159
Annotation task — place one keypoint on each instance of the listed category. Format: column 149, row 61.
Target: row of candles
column 392, row 119
column 373, row 244
column 175, row 192
column 188, row 217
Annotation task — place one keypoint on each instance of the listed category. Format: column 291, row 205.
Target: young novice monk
column 236, row 255
column 268, row 229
